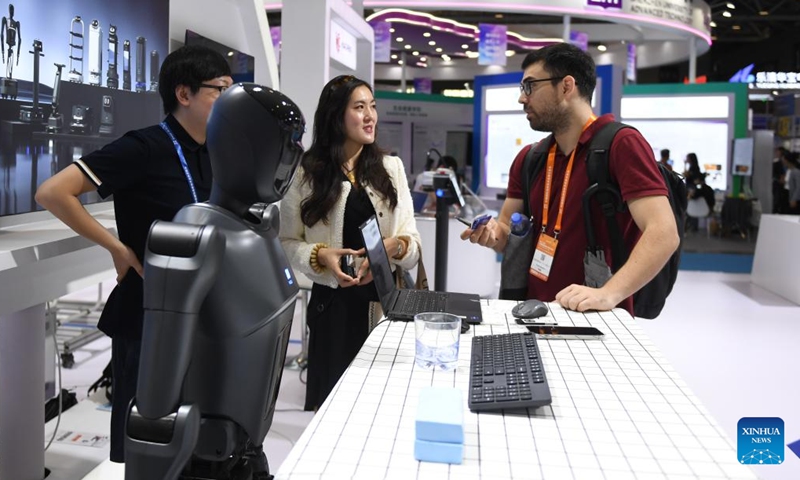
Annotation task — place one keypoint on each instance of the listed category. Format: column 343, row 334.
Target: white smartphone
column 565, row 332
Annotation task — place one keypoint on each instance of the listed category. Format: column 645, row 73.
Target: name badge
column 543, row 257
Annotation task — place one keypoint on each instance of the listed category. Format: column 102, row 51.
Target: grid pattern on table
column 619, row 411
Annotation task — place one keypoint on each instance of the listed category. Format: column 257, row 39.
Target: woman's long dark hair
column 322, row 163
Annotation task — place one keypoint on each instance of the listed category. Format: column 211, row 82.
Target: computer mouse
column 530, row 309
column 464, row 327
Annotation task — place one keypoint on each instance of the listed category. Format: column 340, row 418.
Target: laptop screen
column 378, row 261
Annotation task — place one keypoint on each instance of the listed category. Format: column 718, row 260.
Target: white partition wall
column 311, row 54
column 240, row 24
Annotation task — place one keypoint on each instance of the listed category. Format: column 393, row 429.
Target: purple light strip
column 510, row 7
column 445, row 25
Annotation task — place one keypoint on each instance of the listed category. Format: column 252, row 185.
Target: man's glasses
column 219, row 88
column 526, row 86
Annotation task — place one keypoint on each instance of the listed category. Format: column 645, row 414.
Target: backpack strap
column 606, row 193
column 533, row 164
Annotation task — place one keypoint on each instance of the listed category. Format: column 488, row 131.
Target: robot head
column 254, row 138
column 10, row 10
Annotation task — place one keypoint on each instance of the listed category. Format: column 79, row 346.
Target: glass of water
column 437, row 335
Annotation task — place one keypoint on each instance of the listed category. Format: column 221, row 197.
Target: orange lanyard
column 551, row 160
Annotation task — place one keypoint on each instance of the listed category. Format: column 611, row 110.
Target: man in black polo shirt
column 152, row 173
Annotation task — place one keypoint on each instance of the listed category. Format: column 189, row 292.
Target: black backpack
column 649, row 300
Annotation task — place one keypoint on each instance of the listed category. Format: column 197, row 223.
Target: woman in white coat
column 344, row 179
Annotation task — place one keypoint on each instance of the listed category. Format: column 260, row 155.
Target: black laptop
column 403, row 304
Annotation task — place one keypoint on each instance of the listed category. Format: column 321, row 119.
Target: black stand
column 34, row 114
column 442, row 228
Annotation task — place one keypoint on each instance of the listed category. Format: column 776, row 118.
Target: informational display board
column 506, row 135
column 683, row 124
column 743, row 156
column 707, row 139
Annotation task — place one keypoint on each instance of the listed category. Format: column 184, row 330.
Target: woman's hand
column 330, row 257
column 364, row 272
column 124, row 259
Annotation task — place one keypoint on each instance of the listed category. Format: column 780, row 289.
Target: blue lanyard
column 183, row 160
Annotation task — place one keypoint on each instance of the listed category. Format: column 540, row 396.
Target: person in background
column 780, row 188
column 665, row 160
column 556, row 93
column 692, row 170
column 152, row 173
column 700, row 189
column 344, row 179
column 792, row 164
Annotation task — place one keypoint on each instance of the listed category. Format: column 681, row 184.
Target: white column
column 22, row 389
column 305, row 64
column 403, row 70
column 567, row 26
column 692, row 60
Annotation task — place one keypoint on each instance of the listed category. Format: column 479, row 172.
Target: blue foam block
column 439, row 452
column 440, row 415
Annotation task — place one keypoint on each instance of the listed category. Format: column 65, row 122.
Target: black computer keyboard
column 416, row 301
column 506, row 372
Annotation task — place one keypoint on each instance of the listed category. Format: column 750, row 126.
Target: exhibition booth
column 621, row 392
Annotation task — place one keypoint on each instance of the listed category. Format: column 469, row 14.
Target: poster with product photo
column 75, row 75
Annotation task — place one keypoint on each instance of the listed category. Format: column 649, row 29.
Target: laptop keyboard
column 506, row 372
column 417, row 301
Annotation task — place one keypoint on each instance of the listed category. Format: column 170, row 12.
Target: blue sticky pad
column 439, row 452
column 440, row 415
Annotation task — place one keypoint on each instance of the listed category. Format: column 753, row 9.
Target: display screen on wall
column 242, row 65
column 92, row 76
column 506, row 135
column 708, row 139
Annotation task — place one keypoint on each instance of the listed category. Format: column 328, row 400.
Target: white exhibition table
column 776, row 264
column 39, row 262
column 619, row 411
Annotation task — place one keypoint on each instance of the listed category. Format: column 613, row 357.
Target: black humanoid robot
column 10, row 36
column 219, row 298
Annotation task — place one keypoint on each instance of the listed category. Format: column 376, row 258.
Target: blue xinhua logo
column 760, row 440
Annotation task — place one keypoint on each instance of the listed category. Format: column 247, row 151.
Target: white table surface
column 619, row 411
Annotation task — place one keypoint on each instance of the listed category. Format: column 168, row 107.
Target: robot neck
column 223, row 199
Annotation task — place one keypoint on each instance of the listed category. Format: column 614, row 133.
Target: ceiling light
column 415, row 53
column 726, row 14
column 446, row 57
column 602, row 47
column 776, row 93
column 423, row 59
column 510, row 53
column 431, row 43
column 394, row 56
column 498, row 15
column 736, row 27
column 713, row 24
column 399, row 62
column 763, row 13
column 399, row 39
column 465, row 46
column 439, row 49
column 472, row 54
column 391, row 30
column 426, row 34
column 408, row 47
column 730, row 5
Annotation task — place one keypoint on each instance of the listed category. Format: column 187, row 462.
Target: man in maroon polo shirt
column 556, row 93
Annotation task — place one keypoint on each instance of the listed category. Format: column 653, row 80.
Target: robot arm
column 181, row 263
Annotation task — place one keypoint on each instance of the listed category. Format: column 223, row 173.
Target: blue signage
column 492, row 44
